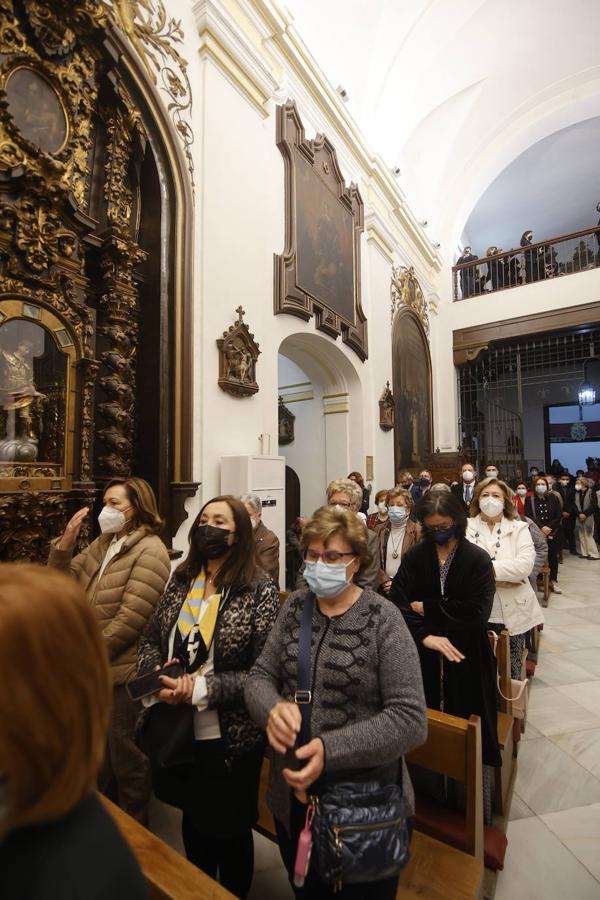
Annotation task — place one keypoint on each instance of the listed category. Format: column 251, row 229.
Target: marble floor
column 554, row 829
column 554, row 832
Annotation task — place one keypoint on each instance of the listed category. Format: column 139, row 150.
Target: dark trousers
column 232, row 859
column 125, row 775
column 314, row 888
column 553, row 551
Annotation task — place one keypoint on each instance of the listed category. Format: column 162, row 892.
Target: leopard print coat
column 246, row 616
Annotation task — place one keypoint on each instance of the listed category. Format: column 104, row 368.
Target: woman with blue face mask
column 397, row 537
column 367, row 704
column 445, row 590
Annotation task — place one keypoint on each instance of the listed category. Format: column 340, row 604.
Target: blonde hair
column 346, row 486
column 327, row 522
column 55, row 694
column 396, row 492
column 510, row 510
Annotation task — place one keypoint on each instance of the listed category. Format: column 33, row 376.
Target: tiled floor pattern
column 554, row 832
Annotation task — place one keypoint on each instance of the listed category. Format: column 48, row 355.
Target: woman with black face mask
column 445, row 589
column 214, row 618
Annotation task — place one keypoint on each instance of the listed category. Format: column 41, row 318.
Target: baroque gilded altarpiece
column 95, row 186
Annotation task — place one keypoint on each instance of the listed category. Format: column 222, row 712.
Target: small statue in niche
column 21, row 405
column 386, row 409
column 238, row 353
column 286, row 424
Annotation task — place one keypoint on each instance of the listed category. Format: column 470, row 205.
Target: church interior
column 253, row 253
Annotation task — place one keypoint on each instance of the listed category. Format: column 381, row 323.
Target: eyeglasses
column 329, row 557
column 440, row 529
column 343, row 503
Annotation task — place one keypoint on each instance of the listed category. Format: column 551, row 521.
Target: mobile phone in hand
column 150, row 683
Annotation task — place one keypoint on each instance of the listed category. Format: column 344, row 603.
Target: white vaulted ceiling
column 453, row 91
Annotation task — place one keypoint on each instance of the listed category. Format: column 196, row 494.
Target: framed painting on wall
column 319, row 272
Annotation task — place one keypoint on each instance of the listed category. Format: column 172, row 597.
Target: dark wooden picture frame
column 318, row 274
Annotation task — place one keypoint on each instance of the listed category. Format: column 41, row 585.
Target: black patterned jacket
column 245, row 618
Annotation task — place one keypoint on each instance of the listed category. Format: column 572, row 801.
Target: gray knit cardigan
column 368, row 701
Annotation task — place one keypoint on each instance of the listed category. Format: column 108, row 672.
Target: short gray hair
column 440, row 486
column 254, row 501
column 346, row 486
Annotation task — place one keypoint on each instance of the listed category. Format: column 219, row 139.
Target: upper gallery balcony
column 548, row 259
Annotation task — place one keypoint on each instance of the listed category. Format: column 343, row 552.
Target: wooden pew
column 453, row 749
column 168, row 875
column 436, row 871
column 505, row 775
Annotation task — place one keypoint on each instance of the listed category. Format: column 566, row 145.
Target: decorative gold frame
column 7, row 70
column 290, row 297
column 13, row 310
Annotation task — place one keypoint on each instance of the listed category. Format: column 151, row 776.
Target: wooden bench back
column 168, row 875
column 453, row 748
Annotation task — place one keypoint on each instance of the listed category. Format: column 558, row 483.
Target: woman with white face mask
column 123, row 572
column 367, row 707
column 398, row 536
column 546, row 511
column 496, row 527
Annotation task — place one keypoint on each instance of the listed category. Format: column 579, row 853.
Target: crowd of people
column 534, row 261
column 139, row 679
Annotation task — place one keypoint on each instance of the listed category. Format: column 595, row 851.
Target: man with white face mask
column 466, row 486
column 123, row 572
column 496, row 528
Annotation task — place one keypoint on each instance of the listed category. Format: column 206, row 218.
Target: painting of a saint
column 36, row 109
column 412, row 392
column 325, row 242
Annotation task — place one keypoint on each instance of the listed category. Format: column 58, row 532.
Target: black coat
column 462, row 616
column 545, row 511
column 80, row 857
column 459, row 493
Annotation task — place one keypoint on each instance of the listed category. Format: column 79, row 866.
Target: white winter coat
column 517, row 607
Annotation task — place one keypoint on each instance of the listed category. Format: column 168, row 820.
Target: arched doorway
column 320, row 386
column 411, row 366
column 95, row 209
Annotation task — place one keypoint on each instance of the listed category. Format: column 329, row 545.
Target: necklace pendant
column 394, row 555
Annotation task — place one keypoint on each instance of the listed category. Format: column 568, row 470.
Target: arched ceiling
column 552, row 188
column 453, row 90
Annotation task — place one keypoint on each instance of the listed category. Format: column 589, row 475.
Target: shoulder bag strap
column 303, row 695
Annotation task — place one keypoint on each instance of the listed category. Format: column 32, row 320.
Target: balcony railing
column 552, row 258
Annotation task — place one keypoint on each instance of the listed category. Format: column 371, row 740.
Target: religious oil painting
column 325, row 242
column 36, row 109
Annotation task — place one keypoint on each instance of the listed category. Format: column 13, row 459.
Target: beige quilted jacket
column 125, row 596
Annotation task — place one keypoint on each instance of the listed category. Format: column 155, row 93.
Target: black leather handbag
column 359, row 830
column 166, row 735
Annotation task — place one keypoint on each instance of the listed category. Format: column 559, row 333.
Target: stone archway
column 325, row 394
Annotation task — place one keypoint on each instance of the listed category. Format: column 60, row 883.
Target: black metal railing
column 548, row 259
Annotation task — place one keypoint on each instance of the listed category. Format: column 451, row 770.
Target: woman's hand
column 582, row 517
column 71, row 532
column 443, row 646
column 177, row 690
column 417, row 607
column 302, row 779
column 283, row 725
column 386, row 585
column 546, row 530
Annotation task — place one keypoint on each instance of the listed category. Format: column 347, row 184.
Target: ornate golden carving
column 406, row 291
column 29, row 520
column 238, row 353
column 153, row 35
